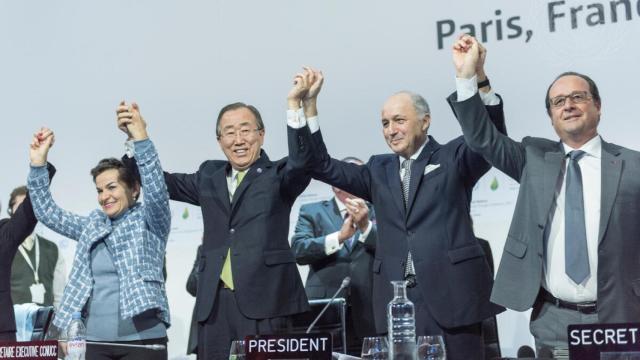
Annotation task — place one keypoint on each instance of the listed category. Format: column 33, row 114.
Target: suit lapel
column 393, row 182
column 417, row 170
column 257, row 169
column 611, row 169
column 221, row 188
column 553, row 166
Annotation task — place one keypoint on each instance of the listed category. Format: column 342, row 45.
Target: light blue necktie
column 576, row 256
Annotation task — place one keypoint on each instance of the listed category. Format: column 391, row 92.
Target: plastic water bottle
column 402, row 324
column 76, row 338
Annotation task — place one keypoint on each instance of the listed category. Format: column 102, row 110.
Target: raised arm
column 45, row 209
column 156, row 197
column 296, row 178
column 181, row 187
column 480, row 132
column 23, row 220
column 473, row 165
column 304, row 130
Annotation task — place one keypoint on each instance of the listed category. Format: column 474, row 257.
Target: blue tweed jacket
column 137, row 241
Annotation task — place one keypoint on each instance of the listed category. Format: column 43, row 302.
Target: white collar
column 592, row 147
column 416, row 154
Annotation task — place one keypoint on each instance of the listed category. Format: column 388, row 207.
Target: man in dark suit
column 336, row 238
column 572, row 251
column 12, row 232
column 424, row 227
column 248, row 282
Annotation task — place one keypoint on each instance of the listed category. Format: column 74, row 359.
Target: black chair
column 41, row 321
column 333, row 321
column 490, row 325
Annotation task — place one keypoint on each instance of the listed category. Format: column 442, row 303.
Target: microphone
column 155, row 347
column 526, row 351
column 345, row 283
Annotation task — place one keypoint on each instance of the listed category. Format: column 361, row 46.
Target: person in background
column 116, row 278
column 38, row 271
column 13, row 231
column 337, row 238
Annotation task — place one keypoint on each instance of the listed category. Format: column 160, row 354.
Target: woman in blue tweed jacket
column 116, row 278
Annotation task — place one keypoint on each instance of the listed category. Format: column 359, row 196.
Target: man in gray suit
column 572, row 249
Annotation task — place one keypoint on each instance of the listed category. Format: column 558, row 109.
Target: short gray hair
column 419, row 103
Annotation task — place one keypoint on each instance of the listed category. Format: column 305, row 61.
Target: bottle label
column 76, row 347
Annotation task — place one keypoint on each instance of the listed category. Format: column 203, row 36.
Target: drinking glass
column 375, row 348
column 431, row 348
column 237, row 351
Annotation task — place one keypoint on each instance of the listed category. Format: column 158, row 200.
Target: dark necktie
column 409, row 270
column 576, row 256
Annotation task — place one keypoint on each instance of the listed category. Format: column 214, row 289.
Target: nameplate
column 27, row 350
column 604, row 341
column 305, row 346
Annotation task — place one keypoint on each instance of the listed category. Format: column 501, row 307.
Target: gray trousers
column 549, row 325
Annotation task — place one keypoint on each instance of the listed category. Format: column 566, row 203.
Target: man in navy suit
column 422, row 195
column 248, row 282
column 336, row 238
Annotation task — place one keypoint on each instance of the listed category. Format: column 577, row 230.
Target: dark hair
column 19, row 191
column 236, row 106
column 593, row 88
column 125, row 174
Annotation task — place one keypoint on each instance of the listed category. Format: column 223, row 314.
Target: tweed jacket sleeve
column 47, row 211
column 157, row 212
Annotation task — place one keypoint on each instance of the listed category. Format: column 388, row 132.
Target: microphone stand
column 148, row 347
column 344, row 284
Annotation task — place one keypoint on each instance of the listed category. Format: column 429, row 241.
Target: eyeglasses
column 244, row 132
column 577, row 97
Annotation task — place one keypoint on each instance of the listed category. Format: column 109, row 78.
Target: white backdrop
column 66, row 64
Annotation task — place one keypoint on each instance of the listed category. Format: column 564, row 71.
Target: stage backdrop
column 67, row 64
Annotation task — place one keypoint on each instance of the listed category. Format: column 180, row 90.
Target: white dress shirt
column 556, row 281
column 413, row 157
column 232, row 181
